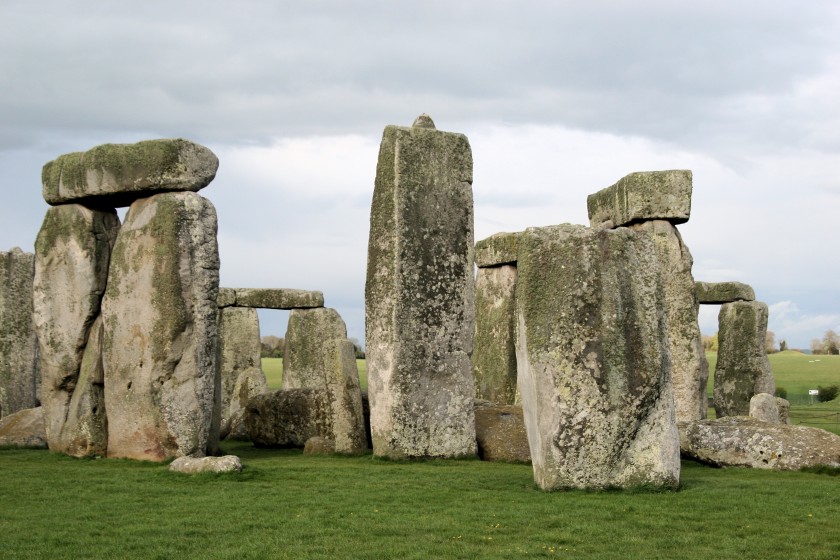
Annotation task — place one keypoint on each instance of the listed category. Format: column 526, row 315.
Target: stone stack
column 126, row 316
column 19, row 379
column 420, row 295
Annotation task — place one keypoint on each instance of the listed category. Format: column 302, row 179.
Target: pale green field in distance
column 273, row 370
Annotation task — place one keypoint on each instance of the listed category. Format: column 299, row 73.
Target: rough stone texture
column 193, row 465
column 280, row 298
column 160, row 317
column 593, row 360
column 723, row 292
column 419, row 295
column 319, row 446
column 743, row 369
column 748, row 442
column 239, row 351
column 288, row 417
column 319, row 356
column 118, row 174
column 643, row 196
column 85, row 432
column 72, row 253
column 763, row 407
column 250, row 383
column 18, row 345
column 494, row 353
column 227, row 297
column 689, row 372
column 496, row 250
column 784, row 410
column 500, row 433
column 24, row 428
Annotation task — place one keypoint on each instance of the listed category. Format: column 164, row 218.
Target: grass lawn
column 798, row 373
column 273, row 370
column 287, row 505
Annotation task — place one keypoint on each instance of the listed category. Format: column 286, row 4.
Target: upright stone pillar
column 160, row 321
column 318, row 355
column 420, row 295
column 742, row 369
column 239, row 351
column 592, row 353
column 18, row 345
column 689, row 372
column 72, row 253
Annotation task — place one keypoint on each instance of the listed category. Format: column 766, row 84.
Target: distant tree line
column 829, row 345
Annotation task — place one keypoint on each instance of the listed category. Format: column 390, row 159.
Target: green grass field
column 798, row 373
column 288, row 505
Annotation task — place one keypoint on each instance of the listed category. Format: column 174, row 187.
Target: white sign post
column 813, row 393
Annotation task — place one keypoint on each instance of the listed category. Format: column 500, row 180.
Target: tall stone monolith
column 689, row 373
column 160, row 324
column 239, row 351
column 420, row 295
column 318, row 355
column 72, row 255
column 18, row 346
column 593, row 359
column 742, row 369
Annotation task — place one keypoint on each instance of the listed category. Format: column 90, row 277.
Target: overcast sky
column 558, row 99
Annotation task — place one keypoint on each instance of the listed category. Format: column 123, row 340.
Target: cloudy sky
column 559, row 99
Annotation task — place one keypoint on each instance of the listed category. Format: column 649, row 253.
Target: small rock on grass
column 193, row 465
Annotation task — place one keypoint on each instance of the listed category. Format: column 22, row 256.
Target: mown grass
column 287, row 505
column 797, row 373
column 273, row 370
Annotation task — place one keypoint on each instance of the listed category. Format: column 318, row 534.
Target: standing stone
column 18, row 345
column 239, row 351
column 72, row 253
column 118, row 174
column 250, row 383
column 688, row 373
column 319, row 356
column 494, row 356
column 742, row 369
column 419, row 295
column 160, row 317
column 594, row 366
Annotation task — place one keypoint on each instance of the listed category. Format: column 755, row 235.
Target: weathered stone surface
column 500, row 433
column 72, row 253
column 593, row 360
column 748, row 442
column 494, row 353
column 763, row 407
column 250, row 383
column 496, row 250
column 119, row 174
column 85, row 431
column 280, row 298
column 288, row 417
column 160, row 317
column 419, row 295
column 193, row 465
column 319, row 446
column 24, row 428
column 319, row 356
column 227, row 297
column 742, row 369
column 784, row 410
column 239, row 350
column 689, row 373
column 723, row 292
column 18, row 346
column 642, row 196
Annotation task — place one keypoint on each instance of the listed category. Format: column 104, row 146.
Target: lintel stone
column 643, row 196
column 497, row 250
column 270, row 298
column 723, row 292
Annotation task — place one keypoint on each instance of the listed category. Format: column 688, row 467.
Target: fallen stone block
column 118, row 174
column 496, row 250
column 500, row 433
column 739, row 441
column 194, row 465
column 723, row 292
column 288, row 417
column 24, row 428
column 319, row 446
column 643, row 196
column 764, row 407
